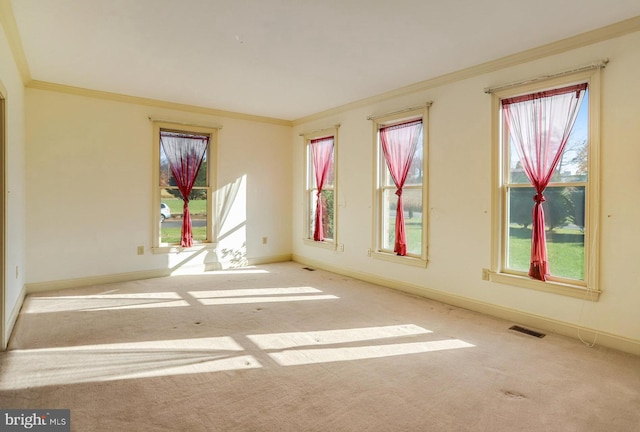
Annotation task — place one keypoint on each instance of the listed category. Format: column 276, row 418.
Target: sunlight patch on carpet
column 108, row 362
column 326, row 355
column 247, row 300
column 259, row 295
column 253, row 292
column 326, row 337
column 96, row 302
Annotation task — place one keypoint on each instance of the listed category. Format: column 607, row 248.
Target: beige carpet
column 281, row 348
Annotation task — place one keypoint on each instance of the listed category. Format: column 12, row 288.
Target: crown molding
column 117, row 97
column 611, row 31
column 8, row 22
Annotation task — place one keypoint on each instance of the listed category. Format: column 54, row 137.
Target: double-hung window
column 546, row 218
column 320, row 191
column 400, row 217
column 183, row 185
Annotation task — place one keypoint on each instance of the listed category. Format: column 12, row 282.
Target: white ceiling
column 285, row 58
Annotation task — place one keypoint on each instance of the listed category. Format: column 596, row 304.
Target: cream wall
column 14, row 272
column 460, row 199
column 89, row 183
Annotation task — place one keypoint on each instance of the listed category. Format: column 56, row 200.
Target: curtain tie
column 399, row 192
column 539, row 198
column 318, row 193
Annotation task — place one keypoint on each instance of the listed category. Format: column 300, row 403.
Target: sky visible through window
column 577, row 140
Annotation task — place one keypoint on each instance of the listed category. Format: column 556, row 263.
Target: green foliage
column 201, row 180
column 172, row 235
column 563, row 205
column 582, row 159
column 196, row 207
column 327, row 213
column 565, row 250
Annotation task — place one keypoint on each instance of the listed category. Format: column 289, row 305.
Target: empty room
column 279, row 215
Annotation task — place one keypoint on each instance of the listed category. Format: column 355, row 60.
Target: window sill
column 329, row 245
column 569, row 290
column 168, row 249
column 406, row 260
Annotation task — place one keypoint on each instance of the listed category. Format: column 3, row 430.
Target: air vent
column 308, row 269
column 527, row 331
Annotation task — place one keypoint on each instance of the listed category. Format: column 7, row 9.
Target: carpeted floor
column 281, row 348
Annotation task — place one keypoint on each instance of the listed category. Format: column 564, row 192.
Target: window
column 184, row 167
column 320, row 191
column 546, row 187
column 400, row 197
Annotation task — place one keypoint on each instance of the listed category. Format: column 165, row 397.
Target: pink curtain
column 185, row 154
column 399, row 144
column 322, row 154
column 539, row 125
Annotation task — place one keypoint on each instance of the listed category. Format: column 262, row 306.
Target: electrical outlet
column 140, row 250
column 485, row 274
column 342, row 247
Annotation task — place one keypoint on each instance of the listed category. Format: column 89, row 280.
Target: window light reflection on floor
column 108, row 362
column 148, row 359
column 326, row 337
column 297, row 357
column 300, row 348
column 259, row 295
column 98, row 302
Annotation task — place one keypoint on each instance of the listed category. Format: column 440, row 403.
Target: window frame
column 309, row 187
column 211, row 157
column 589, row 287
column 379, row 186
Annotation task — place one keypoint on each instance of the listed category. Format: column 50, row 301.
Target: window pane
column 412, row 218
column 327, row 213
column 329, row 178
column 198, row 209
column 414, row 175
column 564, row 211
column 573, row 164
column 167, row 178
column 171, row 228
column 328, row 181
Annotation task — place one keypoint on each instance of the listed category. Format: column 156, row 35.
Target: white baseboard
column 13, row 317
column 95, row 280
column 139, row 275
column 269, row 259
column 609, row 340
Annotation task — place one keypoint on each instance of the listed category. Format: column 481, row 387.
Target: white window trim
column 378, row 122
column 329, row 244
column 588, row 289
column 165, row 248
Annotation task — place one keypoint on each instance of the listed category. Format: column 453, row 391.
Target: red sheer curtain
column 322, row 154
column 539, row 125
column 185, row 154
column 399, row 143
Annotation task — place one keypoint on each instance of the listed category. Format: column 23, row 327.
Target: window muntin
column 329, row 192
column 573, row 247
column 167, row 233
column 414, row 195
